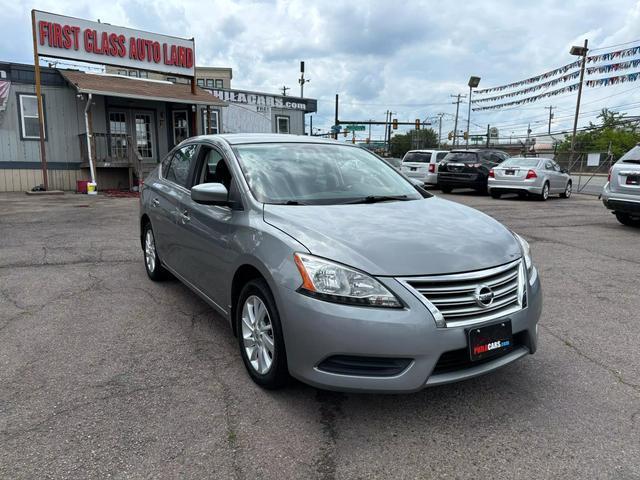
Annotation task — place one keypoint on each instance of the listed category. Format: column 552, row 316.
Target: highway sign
column 356, row 128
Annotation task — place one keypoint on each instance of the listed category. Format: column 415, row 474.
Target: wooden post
column 36, row 64
column 208, row 127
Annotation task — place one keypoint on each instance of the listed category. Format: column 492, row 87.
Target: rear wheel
column 545, row 192
column 628, row 220
column 152, row 264
column 495, row 194
column 260, row 336
column 444, row 189
column 567, row 191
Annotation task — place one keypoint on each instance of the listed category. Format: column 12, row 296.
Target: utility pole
column 440, row 115
column 550, row 108
column 386, row 124
column 583, row 52
column 526, row 145
column 284, row 90
column 455, row 126
column 302, row 80
column 335, row 135
column 488, row 134
column 369, row 130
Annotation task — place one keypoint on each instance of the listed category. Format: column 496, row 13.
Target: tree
column 614, row 130
column 413, row 140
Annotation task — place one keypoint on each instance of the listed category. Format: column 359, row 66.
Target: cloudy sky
column 407, row 56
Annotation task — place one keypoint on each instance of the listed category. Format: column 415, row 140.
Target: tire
column 261, row 336
column 152, row 263
column 545, row 192
column 495, row 194
column 444, row 189
column 567, row 191
column 522, row 194
column 628, row 220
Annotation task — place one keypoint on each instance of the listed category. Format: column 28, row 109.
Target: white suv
column 422, row 165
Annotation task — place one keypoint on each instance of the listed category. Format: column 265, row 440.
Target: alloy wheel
column 150, row 251
column 567, row 191
column 545, row 191
column 257, row 334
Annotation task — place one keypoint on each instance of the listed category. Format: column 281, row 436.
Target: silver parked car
column 528, row 175
column 622, row 192
column 422, row 165
column 332, row 267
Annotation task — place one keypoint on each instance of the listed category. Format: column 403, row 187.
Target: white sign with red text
column 94, row 42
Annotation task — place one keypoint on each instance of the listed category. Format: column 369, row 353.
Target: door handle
column 155, row 202
column 184, row 216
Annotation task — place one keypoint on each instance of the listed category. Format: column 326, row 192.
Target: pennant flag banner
column 613, row 67
column 553, row 93
column 535, row 79
column 535, row 88
column 631, row 77
column 627, row 52
column 601, row 82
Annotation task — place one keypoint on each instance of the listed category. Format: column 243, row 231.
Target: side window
column 440, row 156
column 181, row 164
column 165, row 165
column 548, row 165
column 556, row 167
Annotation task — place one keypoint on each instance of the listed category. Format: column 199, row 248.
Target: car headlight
column 333, row 282
column 526, row 252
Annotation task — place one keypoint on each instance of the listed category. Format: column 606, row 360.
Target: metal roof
column 126, row 87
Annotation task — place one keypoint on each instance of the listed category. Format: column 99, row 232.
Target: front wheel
column 628, row 220
column 545, row 192
column 260, row 336
column 567, row 191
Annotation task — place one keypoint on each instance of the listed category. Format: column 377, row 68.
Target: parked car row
column 487, row 171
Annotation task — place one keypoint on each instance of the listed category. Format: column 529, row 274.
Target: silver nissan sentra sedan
column 529, row 176
column 334, row 268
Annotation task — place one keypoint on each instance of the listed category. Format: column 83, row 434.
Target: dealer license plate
column 490, row 340
column 633, row 180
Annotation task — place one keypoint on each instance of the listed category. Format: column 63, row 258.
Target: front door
column 143, row 135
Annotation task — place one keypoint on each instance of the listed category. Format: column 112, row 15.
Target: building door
column 144, row 135
column 180, row 126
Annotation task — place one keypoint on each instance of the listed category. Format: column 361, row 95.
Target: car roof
column 476, row 150
column 244, row 138
column 427, row 150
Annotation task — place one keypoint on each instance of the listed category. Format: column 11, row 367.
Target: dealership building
column 117, row 126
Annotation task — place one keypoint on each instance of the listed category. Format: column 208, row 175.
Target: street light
column 579, row 52
column 473, row 83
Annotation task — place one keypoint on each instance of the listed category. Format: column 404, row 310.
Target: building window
column 282, row 124
column 214, row 124
column 180, row 126
column 219, row 83
column 210, row 82
column 133, row 73
column 122, row 72
column 118, row 134
column 200, row 82
column 28, row 112
column 144, row 74
column 171, row 79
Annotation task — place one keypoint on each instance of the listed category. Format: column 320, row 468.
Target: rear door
column 175, row 191
column 555, row 181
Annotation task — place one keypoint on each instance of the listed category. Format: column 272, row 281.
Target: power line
column 616, row 45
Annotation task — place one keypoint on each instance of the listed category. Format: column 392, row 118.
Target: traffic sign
column 356, row 128
column 335, row 128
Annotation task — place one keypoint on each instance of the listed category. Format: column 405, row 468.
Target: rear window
column 419, row 157
column 521, row 162
column 464, row 157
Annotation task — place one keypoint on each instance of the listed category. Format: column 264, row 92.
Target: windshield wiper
column 379, row 198
column 288, row 202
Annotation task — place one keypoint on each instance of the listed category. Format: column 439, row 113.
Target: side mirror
column 210, row 194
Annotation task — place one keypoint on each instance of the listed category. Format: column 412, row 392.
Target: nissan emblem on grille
column 483, row 295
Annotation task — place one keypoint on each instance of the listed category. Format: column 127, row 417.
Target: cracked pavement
column 104, row 373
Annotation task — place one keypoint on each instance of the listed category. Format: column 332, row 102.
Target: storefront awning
column 125, row 87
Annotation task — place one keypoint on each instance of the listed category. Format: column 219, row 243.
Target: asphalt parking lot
column 106, row 374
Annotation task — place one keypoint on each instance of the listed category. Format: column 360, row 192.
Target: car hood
column 421, row 237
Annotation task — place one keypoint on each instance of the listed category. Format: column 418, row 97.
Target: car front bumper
column 315, row 330
column 620, row 202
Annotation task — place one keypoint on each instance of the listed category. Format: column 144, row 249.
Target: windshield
column 464, row 157
column 418, row 157
column 521, row 162
column 319, row 174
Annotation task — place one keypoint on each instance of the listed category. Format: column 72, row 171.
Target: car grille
column 451, row 298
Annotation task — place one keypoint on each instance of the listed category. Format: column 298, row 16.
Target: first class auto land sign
column 94, row 42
